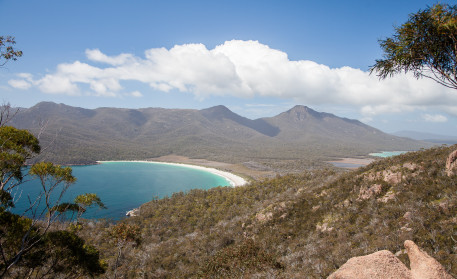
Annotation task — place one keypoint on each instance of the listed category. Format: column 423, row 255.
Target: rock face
column 451, row 163
column 133, row 212
column 384, row 265
column 422, row 265
column 379, row 265
column 367, row 192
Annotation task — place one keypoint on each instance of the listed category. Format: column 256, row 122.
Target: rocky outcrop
column 368, row 192
column 451, row 163
column 263, row 217
column 132, row 213
column 391, row 176
column 395, row 174
column 380, row 265
column 390, row 195
column 384, row 265
column 422, row 265
column 267, row 214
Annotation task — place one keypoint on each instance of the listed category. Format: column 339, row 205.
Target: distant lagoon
column 385, row 154
column 123, row 186
column 353, row 163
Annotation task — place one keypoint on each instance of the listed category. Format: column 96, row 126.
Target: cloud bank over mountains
column 243, row 69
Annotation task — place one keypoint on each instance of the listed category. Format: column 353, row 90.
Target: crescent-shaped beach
column 233, row 179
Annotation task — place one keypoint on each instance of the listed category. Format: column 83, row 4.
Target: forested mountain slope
column 85, row 135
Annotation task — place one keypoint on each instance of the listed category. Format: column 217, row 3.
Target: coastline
column 234, row 180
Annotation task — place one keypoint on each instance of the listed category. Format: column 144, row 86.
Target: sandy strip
column 234, row 180
column 356, row 161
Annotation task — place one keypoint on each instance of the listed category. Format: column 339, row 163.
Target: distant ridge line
column 215, row 133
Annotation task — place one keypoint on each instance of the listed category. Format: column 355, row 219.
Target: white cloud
column 26, row 76
column 434, row 118
column 24, row 83
column 57, row 84
column 97, row 56
column 19, row 84
column 136, row 94
column 244, row 69
column 372, row 110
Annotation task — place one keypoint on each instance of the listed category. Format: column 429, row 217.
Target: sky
column 257, row 57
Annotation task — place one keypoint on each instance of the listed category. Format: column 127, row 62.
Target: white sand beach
column 234, row 180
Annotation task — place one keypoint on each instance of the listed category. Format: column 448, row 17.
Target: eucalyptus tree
column 425, row 45
column 7, row 50
column 33, row 244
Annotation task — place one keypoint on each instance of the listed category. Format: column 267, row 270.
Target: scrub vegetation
column 293, row 226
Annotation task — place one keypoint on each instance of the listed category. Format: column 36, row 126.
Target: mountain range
column 435, row 138
column 78, row 136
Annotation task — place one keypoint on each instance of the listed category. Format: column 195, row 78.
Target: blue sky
column 259, row 58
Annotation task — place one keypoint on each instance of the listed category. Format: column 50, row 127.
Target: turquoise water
column 385, row 154
column 123, row 186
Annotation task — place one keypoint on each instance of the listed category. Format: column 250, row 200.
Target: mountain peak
column 218, row 112
column 53, row 108
column 300, row 112
column 219, row 108
column 300, row 108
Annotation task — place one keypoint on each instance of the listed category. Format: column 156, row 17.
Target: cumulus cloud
column 56, row 84
column 434, row 118
column 97, row 56
column 243, row 69
column 25, row 81
column 19, row 84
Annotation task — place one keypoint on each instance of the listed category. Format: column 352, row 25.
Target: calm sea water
column 123, row 186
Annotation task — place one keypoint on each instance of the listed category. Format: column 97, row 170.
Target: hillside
column 294, row 226
column 300, row 134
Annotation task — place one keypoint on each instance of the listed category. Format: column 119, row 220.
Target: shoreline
column 351, row 163
column 234, row 180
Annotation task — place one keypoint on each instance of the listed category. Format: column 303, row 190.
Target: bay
column 123, row 186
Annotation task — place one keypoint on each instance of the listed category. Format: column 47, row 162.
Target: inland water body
column 351, row 165
column 385, row 154
column 123, row 186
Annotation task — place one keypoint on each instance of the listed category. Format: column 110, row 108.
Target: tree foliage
column 425, row 45
column 16, row 146
column 33, row 245
column 7, row 50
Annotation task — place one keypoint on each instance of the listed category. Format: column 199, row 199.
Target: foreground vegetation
column 39, row 246
column 294, row 226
